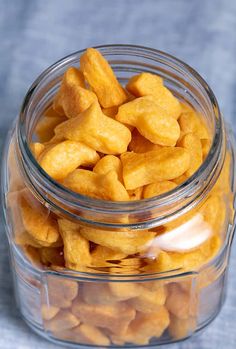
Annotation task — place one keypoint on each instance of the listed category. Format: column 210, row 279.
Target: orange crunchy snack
column 140, row 144
column 157, row 165
column 127, row 242
column 37, row 149
column 151, row 121
column 144, row 327
column 64, row 320
column 49, row 312
column 109, row 163
column 61, row 159
column 96, row 130
column 102, row 79
column 191, row 122
column 146, row 84
column 60, row 292
column 73, row 97
column 76, row 247
column 181, row 328
column 180, row 303
column 84, row 333
column 42, row 227
column 114, row 317
column 45, row 127
column 158, row 188
column 102, row 186
column 121, row 144
column 192, row 143
column 148, row 301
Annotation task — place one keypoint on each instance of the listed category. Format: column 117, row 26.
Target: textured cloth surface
column 34, row 34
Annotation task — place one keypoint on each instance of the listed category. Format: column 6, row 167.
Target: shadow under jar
column 135, row 293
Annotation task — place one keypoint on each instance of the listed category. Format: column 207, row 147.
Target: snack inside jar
column 126, row 215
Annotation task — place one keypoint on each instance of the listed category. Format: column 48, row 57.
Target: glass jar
column 125, row 291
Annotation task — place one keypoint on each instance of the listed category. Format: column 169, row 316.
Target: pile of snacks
column 108, row 142
column 117, row 312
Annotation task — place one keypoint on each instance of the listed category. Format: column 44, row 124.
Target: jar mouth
column 189, row 193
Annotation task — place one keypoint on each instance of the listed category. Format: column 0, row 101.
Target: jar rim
column 189, row 188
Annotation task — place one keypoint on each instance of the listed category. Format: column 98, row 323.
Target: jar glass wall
column 93, row 272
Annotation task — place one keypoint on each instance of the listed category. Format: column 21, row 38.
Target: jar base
column 39, row 331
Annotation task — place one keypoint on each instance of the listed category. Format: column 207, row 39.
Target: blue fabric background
column 34, row 34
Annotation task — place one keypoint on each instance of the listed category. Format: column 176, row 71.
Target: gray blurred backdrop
column 34, row 34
